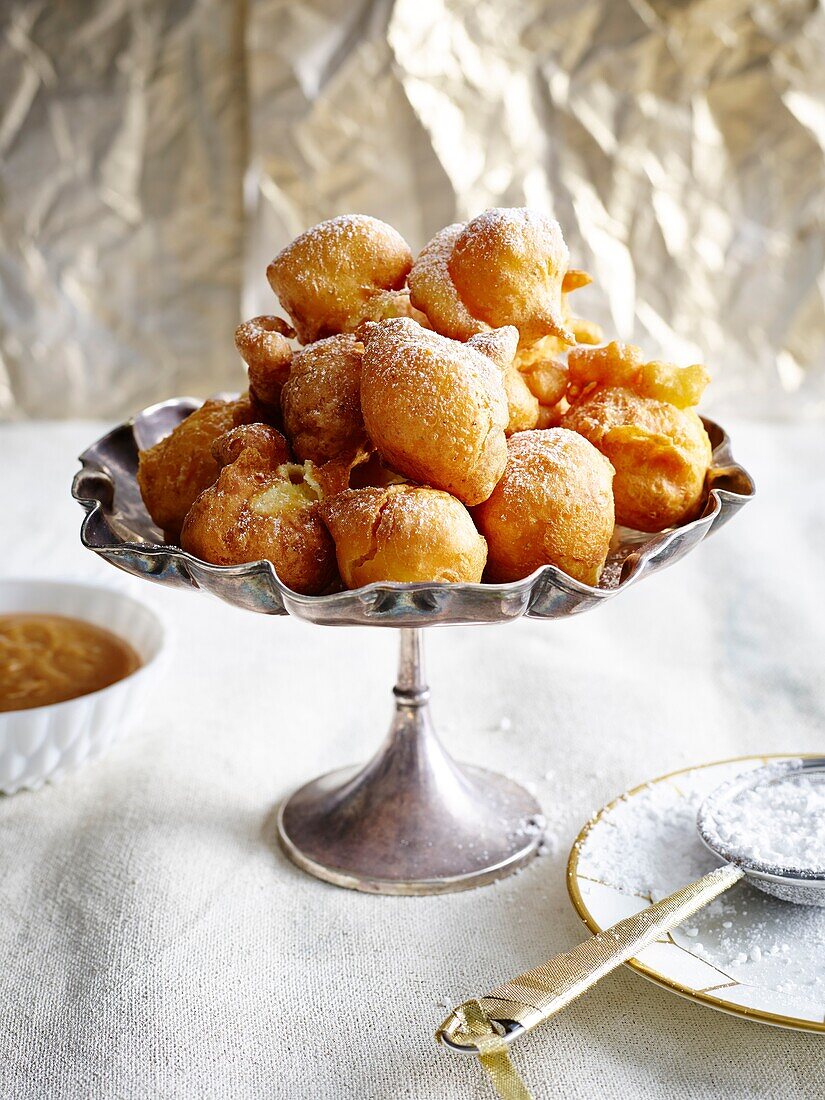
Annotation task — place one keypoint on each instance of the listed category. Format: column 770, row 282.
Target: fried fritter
column 436, row 409
column 341, row 272
column 553, row 506
column 262, row 507
column 522, row 406
column 173, row 472
column 321, row 401
column 505, row 267
column 403, row 533
column 545, row 373
column 640, row 415
column 264, row 346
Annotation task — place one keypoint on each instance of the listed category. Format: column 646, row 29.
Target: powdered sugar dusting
column 454, row 390
column 516, row 229
column 552, row 451
column 343, row 230
column 432, row 289
column 651, row 847
column 647, row 846
column 326, row 278
column 780, row 822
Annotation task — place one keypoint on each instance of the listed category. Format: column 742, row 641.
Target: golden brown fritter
column 522, row 406
column 321, row 402
column 436, row 409
column 623, row 366
column 545, row 376
column 639, row 414
column 505, row 267
column 403, row 533
column 342, row 272
column 264, row 346
column 553, row 506
column 423, row 389
column 173, row 472
column 549, row 348
column 545, row 373
column 263, row 507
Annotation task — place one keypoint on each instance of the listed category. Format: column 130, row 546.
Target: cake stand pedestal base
column 412, row 821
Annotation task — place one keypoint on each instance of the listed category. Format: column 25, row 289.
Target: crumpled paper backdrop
column 155, row 158
column 123, row 144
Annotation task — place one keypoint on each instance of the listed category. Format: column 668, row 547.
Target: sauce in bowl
column 47, row 659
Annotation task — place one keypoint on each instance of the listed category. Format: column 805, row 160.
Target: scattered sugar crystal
column 651, row 848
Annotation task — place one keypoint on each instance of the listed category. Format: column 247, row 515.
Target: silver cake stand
column 412, row 821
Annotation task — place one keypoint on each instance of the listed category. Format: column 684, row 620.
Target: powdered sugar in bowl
column 771, row 823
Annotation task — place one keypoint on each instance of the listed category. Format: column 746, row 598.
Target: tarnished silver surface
column 412, row 821
column 118, row 528
column 802, row 885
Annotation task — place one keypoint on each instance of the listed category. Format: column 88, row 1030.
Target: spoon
column 516, row 1007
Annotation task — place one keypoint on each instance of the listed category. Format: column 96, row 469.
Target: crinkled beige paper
column 122, row 139
column 680, row 144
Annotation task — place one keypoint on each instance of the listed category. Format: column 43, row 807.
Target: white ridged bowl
column 44, row 743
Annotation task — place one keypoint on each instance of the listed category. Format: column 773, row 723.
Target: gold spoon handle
column 521, row 1004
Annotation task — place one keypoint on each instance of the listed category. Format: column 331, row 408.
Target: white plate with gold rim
column 747, row 953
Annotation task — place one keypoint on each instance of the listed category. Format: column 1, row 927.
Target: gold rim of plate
column 579, row 904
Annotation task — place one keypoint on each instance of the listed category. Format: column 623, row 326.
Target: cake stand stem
column 412, row 821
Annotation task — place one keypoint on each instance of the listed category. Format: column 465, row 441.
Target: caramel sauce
column 48, row 659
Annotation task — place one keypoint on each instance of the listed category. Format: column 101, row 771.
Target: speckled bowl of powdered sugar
column 771, row 823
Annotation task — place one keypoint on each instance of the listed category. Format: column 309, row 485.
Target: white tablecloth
column 155, row 944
